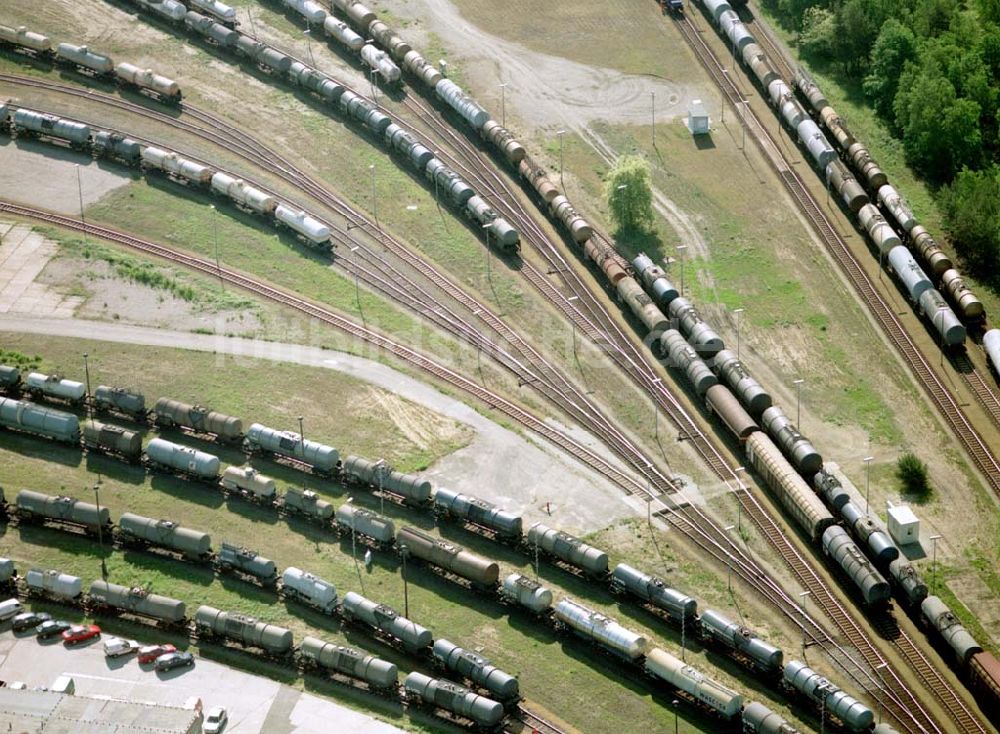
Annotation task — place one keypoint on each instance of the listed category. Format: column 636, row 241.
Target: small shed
column 698, row 122
column 904, row 526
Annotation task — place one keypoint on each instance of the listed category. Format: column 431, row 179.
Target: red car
column 149, row 653
column 80, row 633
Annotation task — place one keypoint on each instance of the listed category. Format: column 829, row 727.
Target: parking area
column 255, row 704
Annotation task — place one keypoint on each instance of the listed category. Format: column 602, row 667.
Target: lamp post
column 739, row 507
column 681, row 249
column 302, row 436
column 729, row 563
column 374, row 198
column 357, row 288
column 798, row 402
column 868, row 473
column 739, row 319
column 656, row 413
column 503, row 106
column 308, row 36
column 86, row 372
column 215, row 235
column 404, row 551
column 802, row 597
column 934, row 578
column 675, row 703
column 572, row 324
column 560, row 133
column 100, row 533
column 881, row 681
column 79, row 189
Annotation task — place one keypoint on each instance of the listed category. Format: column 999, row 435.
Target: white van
column 10, row 609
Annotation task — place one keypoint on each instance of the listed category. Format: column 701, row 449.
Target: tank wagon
column 521, row 591
column 564, row 547
column 84, row 60
column 476, row 669
column 308, row 589
column 66, row 511
column 8, row 575
column 483, row 515
column 991, row 345
column 170, row 413
column 108, row 598
column 211, row 623
column 54, row 585
column 411, row 489
column 380, row 675
column 25, row 41
column 110, row 439
column 246, row 197
column 371, row 526
column 119, row 400
column 458, row 700
column 879, row 544
column 290, row 446
column 149, row 82
column 654, row 280
column 909, row 582
column 678, row 607
column 54, row 387
column 182, row 460
column 796, row 447
column 759, row 719
column 386, row 623
column 218, row 10
column 136, row 531
column 380, row 63
column 247, row 563
column 937, row 616
column 662, row 665
column 838, row 545
column 298, row 501
column 10, row 377
column 21, row 415
column 699, row 334
column 214, row 32
column 250, row 484
column 480, row 572
column 741, row 641
column 601, row 630
column 734, row 374
column 854, row 715
column 169, row 10
column 683, row 357
column 313, row 13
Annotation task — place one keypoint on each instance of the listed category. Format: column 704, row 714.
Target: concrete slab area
column 23, row 255
column 256, row 705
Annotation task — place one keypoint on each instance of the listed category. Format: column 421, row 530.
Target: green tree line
column 931, row 70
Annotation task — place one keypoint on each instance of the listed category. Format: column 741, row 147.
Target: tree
column 912, row 473
column 971, row 208
column 819, row 33
column 895, row 46
column 629, row 196
column 857, row 26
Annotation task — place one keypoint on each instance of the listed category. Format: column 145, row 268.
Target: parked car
column 27, row 620
column 116, row 647
column 173, row 660
column 81, row 633
column 149, row 653
column 216, row 720
column 51, row 628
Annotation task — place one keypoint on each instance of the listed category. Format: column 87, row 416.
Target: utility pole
column 100, row 532
column 404, row 551
column 562, row 185
column 86, row 371
column 503, row 106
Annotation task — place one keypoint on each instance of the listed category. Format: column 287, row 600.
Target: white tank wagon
column 789, row 108
column 380, row 62
column 53, row 584
column 850, row 190
column 243, row 195
column 183, row 460
column 218, row 34
column 661, row 665
column 173, row 165
column 380, row 674
column 519, row 589
column 216, row 9
column 679, row 607
column 742, row 640
column 484, row 712
column 261, row 439
column 642, row 306
column 310, row 228
column 721, row 401
column 969, row 305
column 897, row 207
column 138, row 531
column 22, row 38
column 929, row 251
column 313, row 13
column 10, row 377
column 359, row 15
column 940, row 618
column 248, row 483
column 837, row 544
column 85, row 59
column 413, row 489
column 147, row 80
column 111, row 439
column 905, row 576
column 578, row 227
column 504, row 141
column 21, row 415
column 170, row 413
column 851, row 712
column 654, row 280
column 734, row 373
column 699, row 334
column 112, row 598
column 463, row 104
column 481, row 572
column 880, row 545
column 793, row 493
column 477, row 669
column 246, row 562
column 794, row 445
column 451, row 504
column 368, row 524
column 120, row 400
column 168, row 9
column 298, row 501
column 569, row 549
column 909, row 272
column 340, row 32
column 682, row 356
column 54, row 387
column 386, row 622
column 603, row 631
column 879, row 232
column 816, row 143
column 991, row 345
column 942, row 318
column 309, row 589
column 37, row 507
column 759, row 719
column 247, row 631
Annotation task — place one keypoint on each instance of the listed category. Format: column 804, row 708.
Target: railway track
column 535, row 723
column 942, row 398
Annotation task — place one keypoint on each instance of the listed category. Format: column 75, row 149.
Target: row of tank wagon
column 382, row 126
column 23, row 122
column 571, row 553
column 98, row 65
column 918, row 286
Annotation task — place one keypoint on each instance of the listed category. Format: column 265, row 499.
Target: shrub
column 912, row 474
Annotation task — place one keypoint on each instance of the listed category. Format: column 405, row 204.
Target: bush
column 912, row 474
